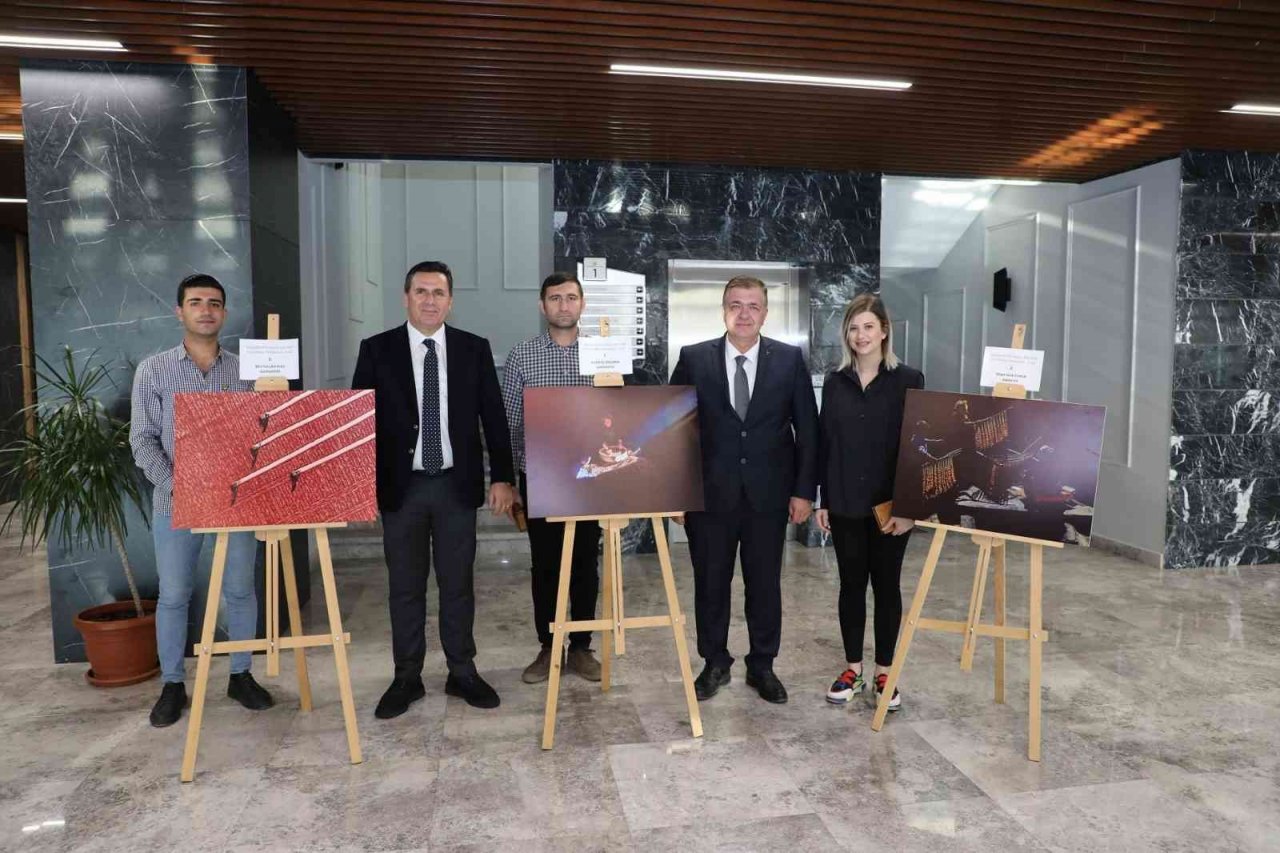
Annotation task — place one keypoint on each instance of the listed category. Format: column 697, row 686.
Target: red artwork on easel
column 271, row 458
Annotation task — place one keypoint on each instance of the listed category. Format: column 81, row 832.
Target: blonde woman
column 861, row 421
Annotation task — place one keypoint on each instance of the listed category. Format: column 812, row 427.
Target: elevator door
column 695, row 289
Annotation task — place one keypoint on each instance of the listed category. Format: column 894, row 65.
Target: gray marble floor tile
column 385, row 805
column 149, row 812
column 524, row 793
column 62, row 746
column 696, row 783
column 991, row 750
column 856, row 768
column 795, row 832
column 33, row 813
column 973, row 824
column 1170, row 812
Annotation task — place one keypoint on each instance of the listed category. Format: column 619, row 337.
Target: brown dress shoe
column 539, row 670
column 583, row 662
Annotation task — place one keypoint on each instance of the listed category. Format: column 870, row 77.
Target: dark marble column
column 640, row 215
column 137, row 175
column 1224, row 466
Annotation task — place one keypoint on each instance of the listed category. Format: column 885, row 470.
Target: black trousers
column 545, row 541
column 863, row 552
column 432, row 525
column 715, row 539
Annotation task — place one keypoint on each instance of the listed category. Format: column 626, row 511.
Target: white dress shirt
column 749, row 366
column 418, row 353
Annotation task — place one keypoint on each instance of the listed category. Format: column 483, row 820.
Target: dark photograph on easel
column 1019, row 467
column 607, row 451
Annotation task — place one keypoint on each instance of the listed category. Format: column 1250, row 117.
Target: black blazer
column 860, row 429
column 475, row 400
column 773, row 455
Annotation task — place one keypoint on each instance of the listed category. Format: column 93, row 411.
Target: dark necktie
column 432, row 449
column 741, row 390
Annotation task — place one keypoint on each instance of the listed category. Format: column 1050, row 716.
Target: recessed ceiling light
column 13, row 201
column 1255, row 110
column 51, row 43
column 757, row 77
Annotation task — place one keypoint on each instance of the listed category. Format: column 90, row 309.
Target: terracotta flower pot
column 120, row 646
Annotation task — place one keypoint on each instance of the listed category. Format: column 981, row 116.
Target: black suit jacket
column 770, row 457
column 859, row 431
column 475, row 401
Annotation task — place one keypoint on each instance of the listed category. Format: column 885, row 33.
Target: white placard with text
column 1014, row 366
column 604, row 355
column 268, row 359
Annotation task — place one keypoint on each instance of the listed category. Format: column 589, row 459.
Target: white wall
column 342, row 283
column 903, row 289
column 365, row 224
column 1093, row 276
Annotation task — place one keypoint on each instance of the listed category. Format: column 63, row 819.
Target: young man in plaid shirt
column 552, row 359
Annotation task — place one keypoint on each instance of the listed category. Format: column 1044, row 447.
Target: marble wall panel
column 138, row 175
column 1224, row 498
column 640, row 215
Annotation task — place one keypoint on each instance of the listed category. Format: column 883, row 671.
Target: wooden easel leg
column 557, row 636
column 999, row 606
column 272, row 589
column 204, row 656
column 606, row 636
column 677, row 627
column 975, row 605
column 1035, row 644
column 339, row 644
column 909, row 629
column 618, row 607
column 295, row 624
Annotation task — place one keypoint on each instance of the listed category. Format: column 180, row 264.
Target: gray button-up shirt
column 535, row 363
column 158, row 378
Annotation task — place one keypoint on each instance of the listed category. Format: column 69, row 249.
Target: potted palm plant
column 73, row 476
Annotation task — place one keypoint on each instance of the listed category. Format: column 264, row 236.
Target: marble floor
column 1161, row 732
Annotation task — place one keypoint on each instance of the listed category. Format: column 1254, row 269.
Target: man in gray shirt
column 552, row 359
column 198, row 364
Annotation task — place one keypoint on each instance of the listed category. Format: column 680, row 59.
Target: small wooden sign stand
column 279, row 562
column 989, row 545
column 614, row 624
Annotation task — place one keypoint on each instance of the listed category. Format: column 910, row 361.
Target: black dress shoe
column 473, row 690
column 400, row 695
column 248, row 692
column 168, row 708
column 768, row 686
column 709, row 682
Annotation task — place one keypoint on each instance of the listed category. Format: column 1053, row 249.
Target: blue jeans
column 177, row 555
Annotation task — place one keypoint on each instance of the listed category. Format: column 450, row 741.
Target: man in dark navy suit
column 435, row 387
column 759, row 433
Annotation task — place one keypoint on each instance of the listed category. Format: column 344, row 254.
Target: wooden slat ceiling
column 1053, row 89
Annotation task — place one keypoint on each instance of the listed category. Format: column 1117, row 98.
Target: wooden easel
column 279, row 556
column 989, row 545
column 614, row 624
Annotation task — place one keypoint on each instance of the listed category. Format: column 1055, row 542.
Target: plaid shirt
column 158, row 378
column 535, row 363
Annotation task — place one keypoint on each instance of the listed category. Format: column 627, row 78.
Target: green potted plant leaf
column 73, row 476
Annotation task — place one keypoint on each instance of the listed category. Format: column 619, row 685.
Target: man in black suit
column 758, row 425
column 434, row 388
